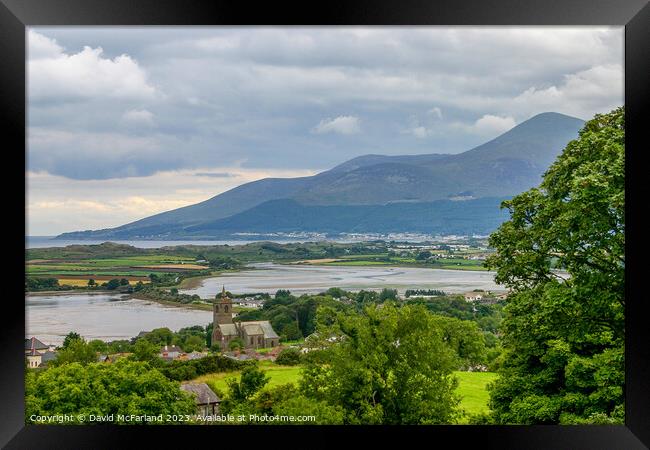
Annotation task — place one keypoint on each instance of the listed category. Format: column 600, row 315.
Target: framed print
column 357, row 219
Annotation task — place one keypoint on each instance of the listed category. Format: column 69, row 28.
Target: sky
column 126, row 122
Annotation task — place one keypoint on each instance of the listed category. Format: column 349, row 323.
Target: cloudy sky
column 127, row 122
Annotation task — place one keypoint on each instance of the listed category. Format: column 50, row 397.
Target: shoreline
column 72, row 292
column 194, row 306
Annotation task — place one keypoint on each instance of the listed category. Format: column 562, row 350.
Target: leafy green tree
column 192, row 343
column 113, row 284
column 390, row 366
column 387, row 294
column 563, row 334
column 236, row 343
column 290, row 331
column 124, row 282
column 124, row 387
column 423, row 256
column 77, row 350
column 98, row 345
column 41, row 284
column 289, row 356
column 120, row 346
column 251, row 380
column 71, row 336
column 145, row 350
column 160, row 336
column 335, row 292
column 91, row 283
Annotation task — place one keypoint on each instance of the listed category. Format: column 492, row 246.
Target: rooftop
column 203, row 394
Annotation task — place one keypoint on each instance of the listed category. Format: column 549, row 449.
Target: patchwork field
column 77, row 272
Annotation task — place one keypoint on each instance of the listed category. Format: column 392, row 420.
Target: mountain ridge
column 500, row 168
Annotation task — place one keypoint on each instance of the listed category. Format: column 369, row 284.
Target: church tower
column 221, row 315
column 222, row 311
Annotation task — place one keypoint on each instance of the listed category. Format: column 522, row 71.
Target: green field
column 471, row 385
column 140, row 266
column 279, row 375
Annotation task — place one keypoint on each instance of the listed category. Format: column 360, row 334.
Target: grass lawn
column 279, row 375
column 472, row 389
column 471, row 385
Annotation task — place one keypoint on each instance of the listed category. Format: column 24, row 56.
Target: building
column 37, row 353
column 34, row 359
column 170, row 352
column 35, row 344
column 207, row 402
column 254, row 334
column 473, row 296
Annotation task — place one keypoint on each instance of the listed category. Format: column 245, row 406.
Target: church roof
column 265, row 325
column 228, row 329
column 252, row 329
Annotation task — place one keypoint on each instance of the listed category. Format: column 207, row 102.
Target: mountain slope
column 502, row 167
column 479, row 216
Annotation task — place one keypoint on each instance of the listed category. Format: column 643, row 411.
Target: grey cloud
column 252, row 96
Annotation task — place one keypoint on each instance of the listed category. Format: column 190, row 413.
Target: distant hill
column 500, row 168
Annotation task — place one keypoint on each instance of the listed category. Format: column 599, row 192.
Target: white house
column 473, row 296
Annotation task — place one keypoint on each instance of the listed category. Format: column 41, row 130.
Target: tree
column 145, row 350
column 236, row 343
column 91, row 283
column 289, row 356
column 122, row 388
column 389, row 366
column 423, row 256
column 387, row 294
column 113, row 284
column 563, row 335
column 71, row 336
column 98, row 345
column 160, row 336
column 290, row 331
column 251, row 380
column 124, row 282
column 77, row 350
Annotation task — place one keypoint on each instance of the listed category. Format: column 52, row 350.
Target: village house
column 170, row 352
column 37, row 353
column 254, row 334
column 207, row 402
column 34, row 343
column 473, row 296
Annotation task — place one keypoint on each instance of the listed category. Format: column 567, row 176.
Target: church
column 254, row 334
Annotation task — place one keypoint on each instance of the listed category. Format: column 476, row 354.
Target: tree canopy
column 389, row 365
column 563, row 330
column 125, row 387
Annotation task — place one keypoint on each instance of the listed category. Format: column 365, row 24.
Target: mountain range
column 431, row 193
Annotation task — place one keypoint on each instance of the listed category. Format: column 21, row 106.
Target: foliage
column 124, row 387
column 387, row 294
column 251, row 380
column 289, row 356
column 563, row 336
column 145, row 350
column 69, row 338
column 41, row 284
column 390, row 366
column 187, row 370
column 236, row 343
column 77, row 350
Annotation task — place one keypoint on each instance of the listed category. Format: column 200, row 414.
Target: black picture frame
column 16, row 15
